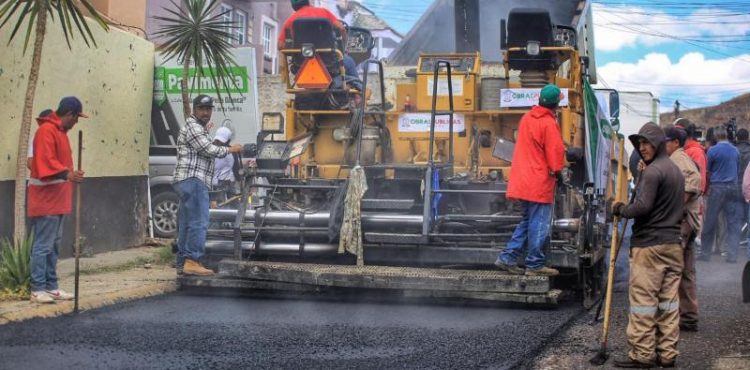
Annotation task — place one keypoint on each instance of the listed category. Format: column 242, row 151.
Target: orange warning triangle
column 313, row 75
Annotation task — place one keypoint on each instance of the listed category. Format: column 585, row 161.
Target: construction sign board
column 239, row 111
column 522, row 98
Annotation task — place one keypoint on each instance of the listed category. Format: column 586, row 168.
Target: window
column 240, row 21
column 238, row 18
column 226, row 16
column 268, row 32
column 268, row 40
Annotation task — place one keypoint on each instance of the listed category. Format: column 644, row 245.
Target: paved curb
column 105, row 299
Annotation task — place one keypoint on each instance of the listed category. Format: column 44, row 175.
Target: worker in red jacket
column 538, row 159
column 51, row 196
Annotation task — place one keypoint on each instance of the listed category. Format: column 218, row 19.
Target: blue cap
column 71, row 104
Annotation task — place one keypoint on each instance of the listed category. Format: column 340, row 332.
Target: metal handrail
column 428, row 192
column 435, row 80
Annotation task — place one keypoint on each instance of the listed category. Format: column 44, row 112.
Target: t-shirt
column 223, row 169
column 723, row 161
column 305, row 12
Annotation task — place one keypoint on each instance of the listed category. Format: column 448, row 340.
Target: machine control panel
column 276, row 154
column 272, row 150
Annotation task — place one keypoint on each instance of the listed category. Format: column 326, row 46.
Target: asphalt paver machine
column 411, row 198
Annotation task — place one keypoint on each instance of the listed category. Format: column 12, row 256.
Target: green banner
column 598, row 137
column 171, row 79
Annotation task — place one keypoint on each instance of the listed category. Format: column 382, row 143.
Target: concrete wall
column 129, row 14
column 115, row 84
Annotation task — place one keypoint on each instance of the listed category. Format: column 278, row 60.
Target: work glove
column 617, row 208
column 562, row 178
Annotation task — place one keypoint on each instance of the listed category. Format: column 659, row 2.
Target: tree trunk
column 23, row 140
column 184, row 85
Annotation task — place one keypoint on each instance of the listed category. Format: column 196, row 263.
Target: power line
column 648, row 31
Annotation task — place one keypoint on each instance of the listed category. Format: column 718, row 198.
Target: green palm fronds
column 195, row 33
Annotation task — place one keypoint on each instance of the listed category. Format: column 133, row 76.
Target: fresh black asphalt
column 183, row 331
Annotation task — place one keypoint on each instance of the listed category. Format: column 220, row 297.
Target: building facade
column 257, row 25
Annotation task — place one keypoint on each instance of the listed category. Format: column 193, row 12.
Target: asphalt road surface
column 198, row 332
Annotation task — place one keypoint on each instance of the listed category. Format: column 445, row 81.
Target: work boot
column 511, row 269
column 688, row 327
column 665, row 363
column 542, row 271
column 195, row 268
column 629, row 363
column 704, row 258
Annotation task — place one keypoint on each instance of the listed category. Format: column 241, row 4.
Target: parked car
column 164, row 199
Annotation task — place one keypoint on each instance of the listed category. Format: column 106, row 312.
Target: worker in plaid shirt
column 192, row 180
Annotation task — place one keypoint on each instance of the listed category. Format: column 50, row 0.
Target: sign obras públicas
column 420, row 122
column 520, row 98
column 239, row 111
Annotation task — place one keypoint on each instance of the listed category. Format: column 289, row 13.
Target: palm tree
column 196, row 34
column 68, row 12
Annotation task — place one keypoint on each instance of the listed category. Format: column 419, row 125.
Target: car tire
column 164, row 208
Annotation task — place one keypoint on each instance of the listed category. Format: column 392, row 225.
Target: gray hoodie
column 658, row 206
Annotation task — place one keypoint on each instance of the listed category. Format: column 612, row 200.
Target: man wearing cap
column 192, row 179
column 656, row 258
column 694, row 149
column 691, row 224
column 538, row 159
column 50, row 196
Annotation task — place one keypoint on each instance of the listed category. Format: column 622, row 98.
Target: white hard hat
column 223, row 134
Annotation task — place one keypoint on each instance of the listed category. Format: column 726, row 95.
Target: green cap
column 550, row 95
column 300, row 3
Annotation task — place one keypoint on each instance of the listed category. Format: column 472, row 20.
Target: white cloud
column 693, row 79
column 618, row 27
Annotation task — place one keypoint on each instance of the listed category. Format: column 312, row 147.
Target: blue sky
column 697, row 51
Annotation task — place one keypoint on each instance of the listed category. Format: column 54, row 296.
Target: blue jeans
column 192, row 219
column 722, row 198
column 532, row 232
column 47, row 232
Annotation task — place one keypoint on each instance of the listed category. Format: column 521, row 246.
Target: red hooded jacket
column 539, row 152
column 695, row 151
column 48, row 194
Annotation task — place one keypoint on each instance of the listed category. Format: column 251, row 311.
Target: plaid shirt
column 196, row 153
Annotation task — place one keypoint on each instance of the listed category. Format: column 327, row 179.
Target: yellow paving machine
column 409, row 195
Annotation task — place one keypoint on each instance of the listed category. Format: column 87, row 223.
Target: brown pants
column 688, row 285
column 653, row 325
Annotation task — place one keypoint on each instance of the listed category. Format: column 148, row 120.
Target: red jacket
column 695, row 151
column 49, row 195
column 539, row 152
column 305, row 12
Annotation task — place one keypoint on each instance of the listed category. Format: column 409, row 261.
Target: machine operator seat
column 320, row 33
column 527, row 24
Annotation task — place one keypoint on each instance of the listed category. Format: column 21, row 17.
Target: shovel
column 601, row 357
column 78, row 224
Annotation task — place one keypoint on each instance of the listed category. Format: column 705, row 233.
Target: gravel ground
column 183, row 331
column 722, row 342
